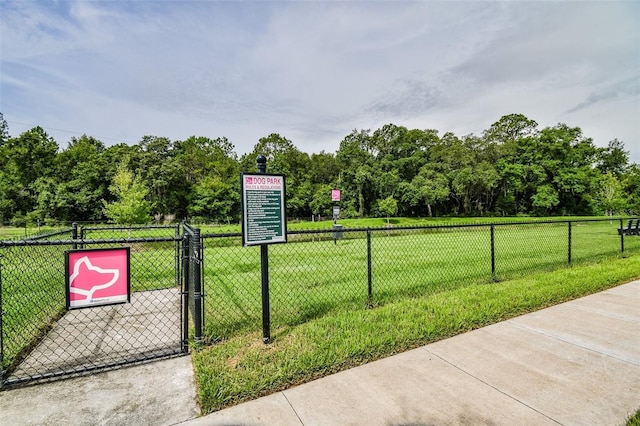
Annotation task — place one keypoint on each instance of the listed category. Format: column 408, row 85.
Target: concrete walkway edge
column 577, row 363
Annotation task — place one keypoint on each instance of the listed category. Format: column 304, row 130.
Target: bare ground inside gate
column 87, row 339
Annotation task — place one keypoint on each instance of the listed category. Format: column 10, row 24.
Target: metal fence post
column 203, row 291
column 261, row 165
column 74, row 234
column 83, row 235
column 493, row 252
column 621, row 237
column 1, row 329
column 569, row 245
column 197, row 286
column 177, row 234
column 184, row 278
column 369, row 273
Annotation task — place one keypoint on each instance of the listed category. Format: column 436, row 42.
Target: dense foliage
column 512, row 168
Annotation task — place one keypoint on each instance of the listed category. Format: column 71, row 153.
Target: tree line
column 512, row 168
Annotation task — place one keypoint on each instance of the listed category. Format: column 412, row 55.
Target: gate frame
column 74, row 241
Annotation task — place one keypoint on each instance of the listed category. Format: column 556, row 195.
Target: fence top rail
column 190, row 230
column 224, row 235
column 38, row 236
column 417, row 227
column 127, row 228
column 47, row 235
column 25, row 243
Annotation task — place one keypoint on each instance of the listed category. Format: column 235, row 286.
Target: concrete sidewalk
column 575, row 363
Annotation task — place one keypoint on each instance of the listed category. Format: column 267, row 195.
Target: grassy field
column 243, row 368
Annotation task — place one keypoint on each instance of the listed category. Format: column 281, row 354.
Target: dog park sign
column 97, row 277
column 264, row 210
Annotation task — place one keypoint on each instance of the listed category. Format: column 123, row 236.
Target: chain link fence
column 187, row 283
column 314, row 275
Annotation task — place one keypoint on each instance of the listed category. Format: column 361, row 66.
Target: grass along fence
column 312, row 276
column 242, row 368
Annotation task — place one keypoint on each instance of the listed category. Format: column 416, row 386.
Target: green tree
column 613, row 158
column 323, row 168
column 609, row 196
column 284, row 158
column 431, row 187
column 510, row 128
column 631, row 189
column 545, row 199
column 205, row 169
column 81, row 177
column 130, row 206
column 10, row 188
column 388, row 207
column 213, row 199
column 4, row 131
column 321, row 200
column 27, row 157
column 355, row 160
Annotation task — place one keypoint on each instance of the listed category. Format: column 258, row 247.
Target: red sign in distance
column 97, row 277
column 335, row 195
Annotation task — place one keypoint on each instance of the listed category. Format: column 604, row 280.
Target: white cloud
column 313, row 71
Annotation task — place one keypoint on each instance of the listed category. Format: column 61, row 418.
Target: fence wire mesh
column 314, row 275
column 42, row 340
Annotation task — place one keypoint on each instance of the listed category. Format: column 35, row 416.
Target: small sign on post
column 264, row 211
column 335, row 195
column 336, row 212
column 97, row 277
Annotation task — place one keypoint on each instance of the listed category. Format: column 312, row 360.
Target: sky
column 315, row 71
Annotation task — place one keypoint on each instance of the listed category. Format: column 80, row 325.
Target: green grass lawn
column 634, row 419
column 242, row 368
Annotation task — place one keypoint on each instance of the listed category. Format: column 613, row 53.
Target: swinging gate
column 40, row 339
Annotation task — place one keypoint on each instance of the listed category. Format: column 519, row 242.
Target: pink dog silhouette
column 90, row 282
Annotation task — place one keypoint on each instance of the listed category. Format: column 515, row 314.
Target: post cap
column 261, row 163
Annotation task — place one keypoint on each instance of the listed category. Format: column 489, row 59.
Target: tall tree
column 609, row 196
column 82, row 181
column 131, row 206
column 431, row 187
column 284, row 158
column 388, row 207
column 30, row 156
column 4, row 131
column 631, row 189
column 355, row 160
column 613, row 158
column 210, row 170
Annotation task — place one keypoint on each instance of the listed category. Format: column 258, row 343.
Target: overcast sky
column 314, row 71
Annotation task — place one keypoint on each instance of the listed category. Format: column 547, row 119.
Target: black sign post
column 264, row 222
